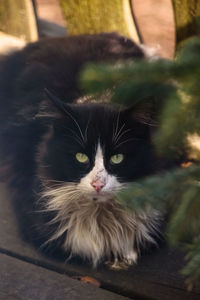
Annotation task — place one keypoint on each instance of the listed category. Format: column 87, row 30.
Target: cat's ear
column 144, row 113
column 59, row 104
column 52, row 107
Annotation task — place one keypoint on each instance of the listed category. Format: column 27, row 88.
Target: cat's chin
column 100, row 198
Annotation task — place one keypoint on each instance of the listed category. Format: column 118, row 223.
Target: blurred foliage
column 174, row 87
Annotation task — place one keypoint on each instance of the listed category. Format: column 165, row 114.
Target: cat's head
column 97, row 148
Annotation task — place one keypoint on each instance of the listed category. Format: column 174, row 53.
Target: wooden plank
column 17, row 18
column 155, row 276
column 93, row 17
column 22, row 280
column 186, row 14
column 10, row 43
column 50, row 10
column 50, row 18
column 156, row 23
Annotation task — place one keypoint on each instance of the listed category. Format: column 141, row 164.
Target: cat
column 66, row 158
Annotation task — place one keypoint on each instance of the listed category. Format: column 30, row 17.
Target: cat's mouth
column 100, row 197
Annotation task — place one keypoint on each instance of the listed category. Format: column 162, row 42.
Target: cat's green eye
column 117, row 159
column 82, row 158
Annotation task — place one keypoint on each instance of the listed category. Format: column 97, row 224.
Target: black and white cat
column 67, row 160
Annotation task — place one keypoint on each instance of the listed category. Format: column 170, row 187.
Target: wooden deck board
column 24, row 280
column 156, row 276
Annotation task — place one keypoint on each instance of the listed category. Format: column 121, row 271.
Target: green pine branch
column 192, row 268
column 174, row 86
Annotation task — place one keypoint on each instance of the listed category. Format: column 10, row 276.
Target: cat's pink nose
column 97, row 185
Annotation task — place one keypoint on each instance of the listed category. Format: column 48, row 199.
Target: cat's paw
column 123, row 264
column 131, row 258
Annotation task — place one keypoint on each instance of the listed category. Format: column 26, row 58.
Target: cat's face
column 98, row 148
column 99, row 184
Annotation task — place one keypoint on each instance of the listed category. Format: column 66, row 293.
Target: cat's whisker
column 116, row 128
column 86, row 131
column 49, row 183
column 59, row 191
column 120, row 130
column 56, row 181
column 117, row 189
column 75, row 137
column 121, row 135
column 126, row 141
column 78, row 126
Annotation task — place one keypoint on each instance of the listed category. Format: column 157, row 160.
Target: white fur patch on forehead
column 98, row 183
column 99, row 160
column 99, row 153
